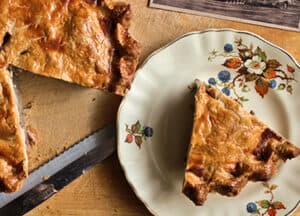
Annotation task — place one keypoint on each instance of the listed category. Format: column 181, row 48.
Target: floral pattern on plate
column 267, row 206
column 249, row 64
column 159, row 98
column 137, row 133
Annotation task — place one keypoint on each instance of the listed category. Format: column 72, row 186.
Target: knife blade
column 59, row 171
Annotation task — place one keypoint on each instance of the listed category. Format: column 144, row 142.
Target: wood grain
column 64, row 113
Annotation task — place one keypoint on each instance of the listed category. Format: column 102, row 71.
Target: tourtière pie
column 81, row 41
column 229, row 147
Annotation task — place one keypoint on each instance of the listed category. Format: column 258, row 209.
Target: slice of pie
column 82, row 41
column 13, row 157
column 229, row 146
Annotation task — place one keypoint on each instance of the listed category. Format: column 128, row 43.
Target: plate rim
column 155, row 52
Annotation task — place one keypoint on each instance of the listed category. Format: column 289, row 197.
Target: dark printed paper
column 275, row 13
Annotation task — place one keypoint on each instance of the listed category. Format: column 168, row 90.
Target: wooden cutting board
column 63, row 113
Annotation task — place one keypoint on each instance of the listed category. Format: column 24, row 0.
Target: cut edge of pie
column 229, row 146
column 13, row 156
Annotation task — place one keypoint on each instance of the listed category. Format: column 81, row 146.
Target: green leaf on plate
column 136, row 127
column 263, row 203
column 261, row 54
column 243, row 99
column 245, row 88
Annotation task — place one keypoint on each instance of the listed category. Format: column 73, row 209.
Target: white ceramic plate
column 155, row 119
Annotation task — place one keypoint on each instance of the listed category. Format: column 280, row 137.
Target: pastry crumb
column 28, row 105
column 32, row 135
column 46, row 178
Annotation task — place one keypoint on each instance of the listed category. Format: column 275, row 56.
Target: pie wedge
column 229, row 146
column 13, row 156
column 81, row 41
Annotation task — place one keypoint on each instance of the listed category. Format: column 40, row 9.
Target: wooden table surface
column 103, row 190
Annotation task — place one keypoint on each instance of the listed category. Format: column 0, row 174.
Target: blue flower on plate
column 273, row 84
column 212, row 81
column 251, row 207
column 224, row 76
column 226, row 91
column 228, row 47
column 148, row 131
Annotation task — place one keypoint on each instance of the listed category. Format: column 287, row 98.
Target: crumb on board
column 38, row 158
column 28, row 105
column 46, row 178
column 32, row 135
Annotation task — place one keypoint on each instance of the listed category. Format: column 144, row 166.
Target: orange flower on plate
column 233, row 63
column 270, row 73
column 272, row 212
column 290, row 69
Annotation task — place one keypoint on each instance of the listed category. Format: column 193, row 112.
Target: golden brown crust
column 229, row 147
column 76, row 41
column 13, row 157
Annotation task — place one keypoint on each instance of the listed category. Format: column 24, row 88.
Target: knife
column 51, row 177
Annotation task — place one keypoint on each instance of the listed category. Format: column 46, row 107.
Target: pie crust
column 229, row 146
column 80, row 41
column 13, row 156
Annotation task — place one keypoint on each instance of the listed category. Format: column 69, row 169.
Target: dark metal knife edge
column 66, row 167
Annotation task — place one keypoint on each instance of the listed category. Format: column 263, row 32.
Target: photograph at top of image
column 274, row 13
